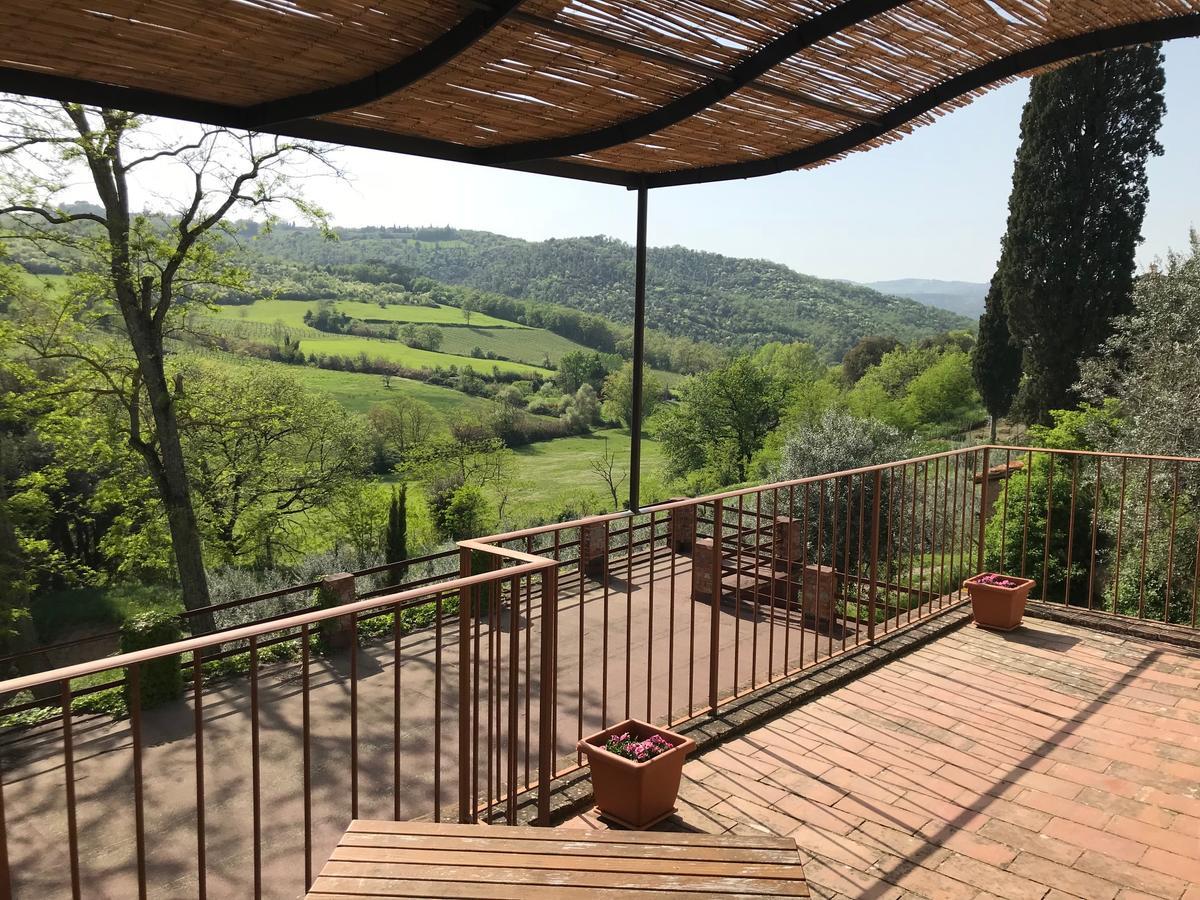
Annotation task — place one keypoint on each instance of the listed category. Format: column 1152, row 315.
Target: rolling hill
column 962, row 297
column 731, row 302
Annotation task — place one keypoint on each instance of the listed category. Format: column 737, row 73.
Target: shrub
column 161, row 679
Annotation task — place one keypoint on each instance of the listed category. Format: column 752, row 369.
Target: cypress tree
column 396, row 536
column 1075, row 214
column 996, row 361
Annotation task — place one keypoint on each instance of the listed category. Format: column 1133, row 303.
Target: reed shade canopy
column 640, row 93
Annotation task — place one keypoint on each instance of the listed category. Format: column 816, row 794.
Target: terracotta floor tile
column 980, row 766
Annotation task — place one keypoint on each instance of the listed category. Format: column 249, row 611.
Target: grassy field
column 357, row 392
column 555, row 475
column 55, row 283
column 291, row 313
column 352, row 345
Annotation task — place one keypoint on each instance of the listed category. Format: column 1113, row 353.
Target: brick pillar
column 702, row 569
column 788, row 543
column 683, row 527
column 593, row 550
column 336, row 590
column 818, row 592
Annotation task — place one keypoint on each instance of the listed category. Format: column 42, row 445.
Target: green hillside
column 735, row 303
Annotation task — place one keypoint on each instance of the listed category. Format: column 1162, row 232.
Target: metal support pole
column 983, row 510
column 639, row 352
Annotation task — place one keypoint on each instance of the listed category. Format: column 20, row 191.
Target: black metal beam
column 989, row 73
column 803, row 35
column 470, row 29
column 171, row 106
column 639, row 353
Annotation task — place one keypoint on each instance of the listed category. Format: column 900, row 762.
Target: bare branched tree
column 605, row 465
column 137, row 272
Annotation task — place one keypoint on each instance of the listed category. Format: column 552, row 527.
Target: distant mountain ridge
column 731, row 302
column 962, row 297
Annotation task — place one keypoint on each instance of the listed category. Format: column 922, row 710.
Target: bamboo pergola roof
column 643, row 93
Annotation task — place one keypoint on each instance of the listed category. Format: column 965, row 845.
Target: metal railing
column 464, row 698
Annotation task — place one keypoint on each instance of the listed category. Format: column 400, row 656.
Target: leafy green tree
column 722, row 419
column 837, row 442
column 580, row 367
column 1075, row 214
column 263, row 451
column 1148, row 366
column 466, row 515
column 1044, row 501
column 868, row 352
column 942, row 397
column 618, row 395
column 138, row 268
column 793, row 365
column 996, row 363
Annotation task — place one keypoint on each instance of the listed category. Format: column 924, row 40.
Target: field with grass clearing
column 291, row 313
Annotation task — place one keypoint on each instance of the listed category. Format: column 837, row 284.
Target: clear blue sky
column 930, row 206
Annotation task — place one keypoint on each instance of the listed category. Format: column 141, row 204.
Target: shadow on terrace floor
column 1048, row 762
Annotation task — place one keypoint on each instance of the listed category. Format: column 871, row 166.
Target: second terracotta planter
column 636, row 794
column 1000, row 607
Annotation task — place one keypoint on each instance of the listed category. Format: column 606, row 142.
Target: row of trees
column 1079, row 195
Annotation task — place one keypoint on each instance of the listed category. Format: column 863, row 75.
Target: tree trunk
column 992, row 420
column 170, row 475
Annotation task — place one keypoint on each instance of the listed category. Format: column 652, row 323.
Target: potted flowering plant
column 636, row 769
column 998, row 601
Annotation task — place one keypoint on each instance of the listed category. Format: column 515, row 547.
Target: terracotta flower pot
column 636, row 794
column 997, row 606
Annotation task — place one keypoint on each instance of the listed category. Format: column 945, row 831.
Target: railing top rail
column 1110, row 454
column 190, row 645
column 726, row 495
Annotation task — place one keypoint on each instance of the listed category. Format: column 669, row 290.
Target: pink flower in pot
column 998, row 601
column 636, row 770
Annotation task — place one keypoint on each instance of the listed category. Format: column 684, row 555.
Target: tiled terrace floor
column 1051, row 762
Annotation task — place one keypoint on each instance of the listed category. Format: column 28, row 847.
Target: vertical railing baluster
column 1071, row 528
column 650, row 631
column 255, row 771
column 1145, row 539
column 69, row 781
column 1120, row 536
column 873, row 584
column 6, row 887
column 397, row 623
column 771, row 572
column 1004, row 512
column 804, row 574
column 139, row 811
column 1049, row 526
column 846, row 556
column 628, row 615
column 437, row 704
column 582, row 629
column 714, row 629
column 306, row 764
column 1095, row 531
column 737, row 591
column 1025, row 527
column 514, row 668
column 604, row 723
column 547, row 681
column 353, row 716
column 672, row 517
column 1171, row 544
column 198, row 713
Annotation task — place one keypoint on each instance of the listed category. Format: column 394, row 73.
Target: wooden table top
column 422, row 859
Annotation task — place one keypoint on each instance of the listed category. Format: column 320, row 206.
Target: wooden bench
column 422, row 859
